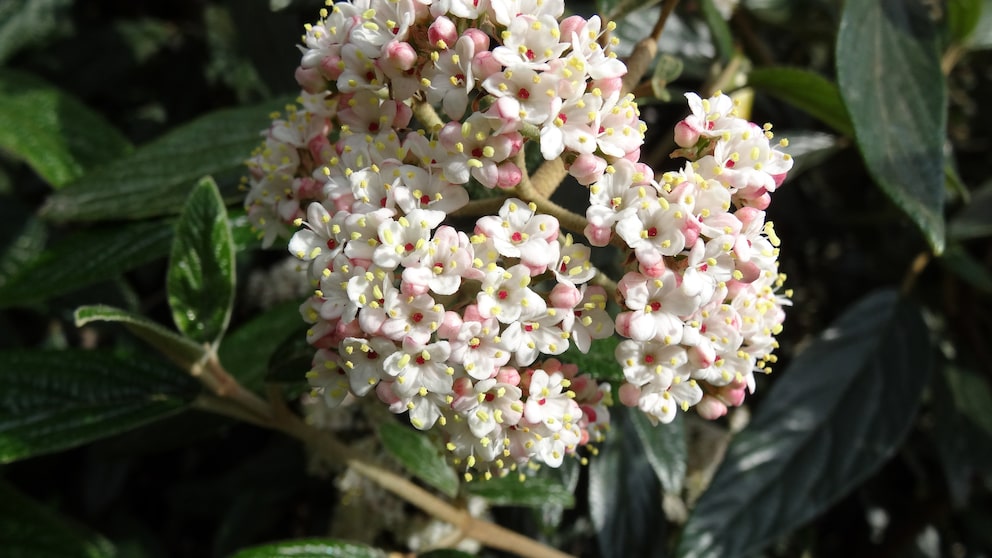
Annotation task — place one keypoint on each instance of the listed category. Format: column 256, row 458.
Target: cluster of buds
column 406, row 105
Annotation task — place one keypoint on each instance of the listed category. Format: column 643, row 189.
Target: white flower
column 506, row 296
column 519, row 232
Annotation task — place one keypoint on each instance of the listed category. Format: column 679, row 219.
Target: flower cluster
column 406, row 106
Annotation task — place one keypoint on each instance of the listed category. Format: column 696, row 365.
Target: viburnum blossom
column 409, row 109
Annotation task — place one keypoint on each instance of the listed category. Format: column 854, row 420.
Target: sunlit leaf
column 84, row 258
column 200, row 279
column 55, row 400
column 419, row 455
column 888, row 68
column 311, row 548
column 158, row 177
column 58, row 136
column 30, row 530
column 838, row 412
column 807, row 91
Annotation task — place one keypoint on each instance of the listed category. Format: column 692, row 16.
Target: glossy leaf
column 975, row 219
column 84, row 258
column 158, row 177
column 55, row 400
column 625, row 495
column 962, row 264
column 311, row 548
column 530, row 492
column 982, row 35
column 888, row 68
column 176, row 348
column 247, row 351
column 30, row 530
column 23, row 22
column 838, row 412
column 807, row 91
column 415, row 451
column 58, row 136
column 200, row 279
column 962, row 18
column 722, row 38
column 665, row 449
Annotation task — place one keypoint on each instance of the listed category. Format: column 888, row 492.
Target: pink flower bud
column 330, row 67
column 478, row 37
column 608, row 86
column 399, row 55
column 484, row 65
column 565, row 295
column 630, row 395
column 442, row 33
column 508, row 175
column 508, row 375
column 711, row 408
column 691, row 231
column 571, row 24
column 779, row 178
column 702, row 355
column 623, row 324
column 646, row 171
column 597, row 235
column 749, row 271
column 587, row 168
column 310, row 80
column 652, row 268
column 733, row 394
column 384, row 390
column 685, row 135
column 471, row 314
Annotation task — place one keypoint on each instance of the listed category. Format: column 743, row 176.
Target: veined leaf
column 200, row 279
column 311, row 548
column 888, row 69
column 533, row 492
column 53, row 132
column 23, row 22
column 84, row 258
column 157, row 178
column 55, row 400
column 30, row 530
column 247, row 351
column 175, row 347
column 807, row 91
column 665, row 449
column 837, row 414
column 414, row 450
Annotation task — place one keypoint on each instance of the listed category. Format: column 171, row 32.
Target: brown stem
column 646, row 49
column 915, row 269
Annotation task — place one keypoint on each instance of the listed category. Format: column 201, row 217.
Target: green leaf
column 292, row 359
column 625, row 495
column 157, row 178
column 600, row 361
column 55, row 400
column 962, row 18
column 972, row 396
column 838, row 412
column 982, row 35
column 807, row 91
column 888, row 68
column 311, row 548
column 24, row 237
column 612, row 10
column 961, row 431
column 84, row 258
column 200, row 279
column 666, row 70
column 530, row 492
column 248, row 349
column 962, row 264
column 665, row 449
column 975, row 219
column 445, row 553
column 30, row 530
column 59, row 137
column 415, row 451
column 722, row 38
column 25, row 22
column 180, row 350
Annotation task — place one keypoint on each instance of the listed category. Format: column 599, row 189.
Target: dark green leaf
column 665, row 449
column 178, row 349
column 157, row 178
column 888, row 68
column 445, row 553
column 24, row 237
column 722, row 39
column 24, row 22
column 625, row 495
column 53, row 132
column 243, row 232
column 616, row 9
column 599, row 362
column 982, row 36
column 200, row 280
column 962, row 434
column 87, row 257
column 962, row 264
column 247, row 351
column 311, row 548
column 975, row 219
column 291, row 359
column 807, row 91
column 30, row 530
column 971, row 395
column 531, row 492
column 415, row 451
column 54, row 400
column 837, row 414
column 962, row 18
